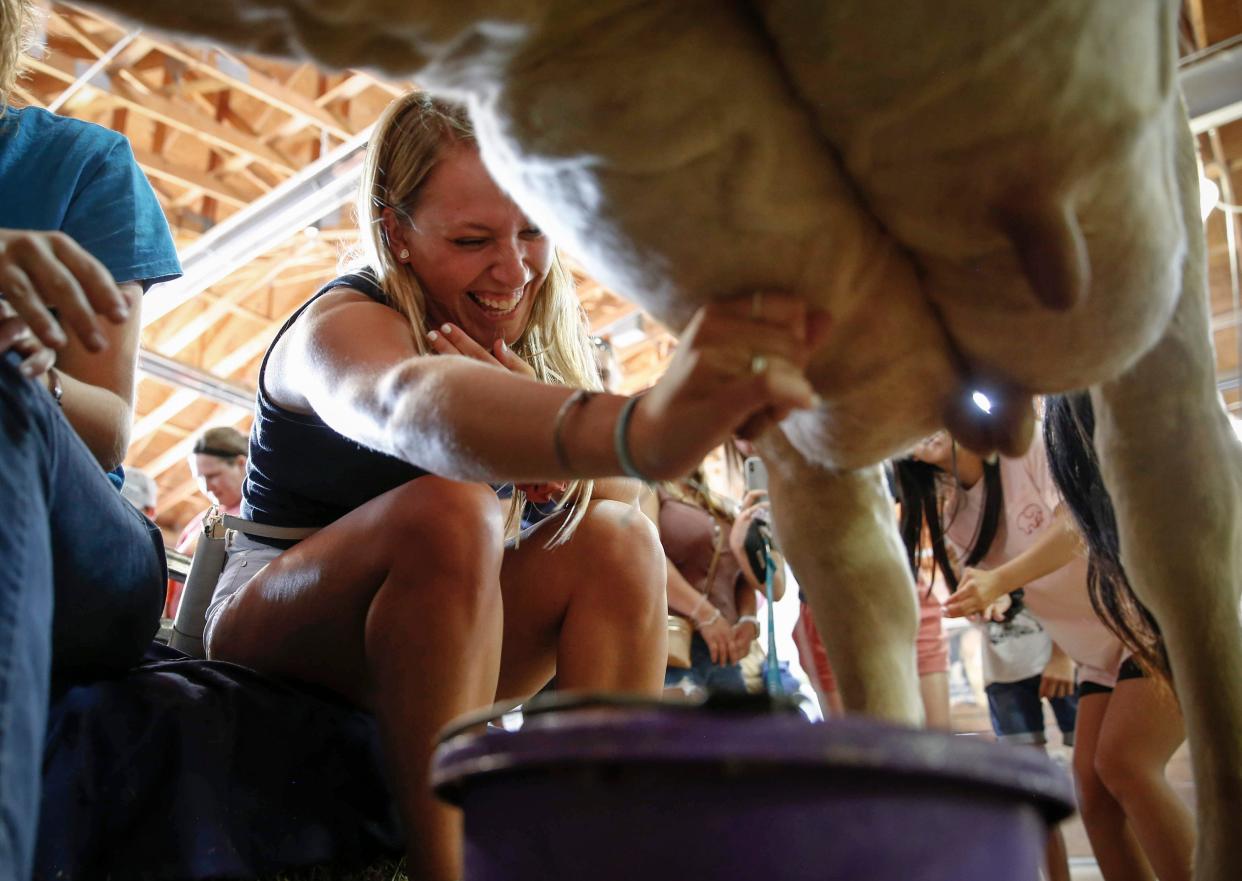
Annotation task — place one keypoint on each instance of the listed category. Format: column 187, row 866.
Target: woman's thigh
column 1092, row 708
column 108, row 568
column 305, row 614
column 1142, row 729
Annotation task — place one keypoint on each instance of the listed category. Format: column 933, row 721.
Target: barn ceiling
column 253, row 161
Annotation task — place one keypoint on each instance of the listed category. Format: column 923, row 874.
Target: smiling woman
column 390, row 401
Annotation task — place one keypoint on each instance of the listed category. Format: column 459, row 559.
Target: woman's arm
column 979, row 588
column 93, row 340
column 98, row 387
column 351, row 361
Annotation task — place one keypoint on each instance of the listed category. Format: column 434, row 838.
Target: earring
column 404, row 255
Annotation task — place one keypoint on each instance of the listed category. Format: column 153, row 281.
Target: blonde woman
column 390, row 401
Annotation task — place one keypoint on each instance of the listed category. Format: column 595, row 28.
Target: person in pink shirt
column 1007, row 524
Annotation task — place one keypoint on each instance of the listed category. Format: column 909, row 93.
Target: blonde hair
column 409, row 139
column 16, row 26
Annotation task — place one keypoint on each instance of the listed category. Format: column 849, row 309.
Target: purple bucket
column 598, row 795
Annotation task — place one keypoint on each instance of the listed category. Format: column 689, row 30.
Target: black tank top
column 300, row 471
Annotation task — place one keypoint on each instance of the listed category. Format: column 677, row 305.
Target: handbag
column 680, row 633
column 205, row 568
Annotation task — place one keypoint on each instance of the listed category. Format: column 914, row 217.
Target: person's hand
column 738, row 367
column 996, row 611
column 753, row 504
column 718, row 635
column 539, row 493
column 743, row 634
column 1058, row 677
column 977, row 590
column 450, row 339
column 754, row 498
column 16, row 335
column 40, row 271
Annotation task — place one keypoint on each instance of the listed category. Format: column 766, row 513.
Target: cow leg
column 1173, row 466
column 839, row 533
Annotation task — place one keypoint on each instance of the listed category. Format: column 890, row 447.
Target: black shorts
column 1129, row 670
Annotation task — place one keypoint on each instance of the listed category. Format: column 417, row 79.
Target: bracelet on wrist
column 699, row 625
column 54, row 386
column 621, row 442
column 578, row 399
column 749, row 619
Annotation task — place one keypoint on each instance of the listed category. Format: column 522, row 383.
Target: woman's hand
column 743, row 634
column 40, row 271
column 719, row 638
column 738, row 367
column 1058, row 677
column 977, row 590
column 997, row 610
column 452, row 340
column 755, row 501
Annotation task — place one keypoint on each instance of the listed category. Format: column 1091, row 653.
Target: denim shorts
column 1018, row 712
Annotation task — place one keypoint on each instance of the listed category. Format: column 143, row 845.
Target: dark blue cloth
column 67, row 538
column 188, row 769
column 301, row 472
column 81, row 586
column 705, row 674
column 58, row 173
column 1016, row 709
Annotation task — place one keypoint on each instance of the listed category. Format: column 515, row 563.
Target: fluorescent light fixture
column 629, row 337
column 982, row 402
column 1209, row 195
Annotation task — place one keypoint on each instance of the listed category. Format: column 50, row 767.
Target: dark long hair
column 918, row 486
column 1069, row 429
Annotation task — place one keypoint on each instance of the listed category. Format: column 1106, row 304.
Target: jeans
column 705, row 674
column 82, row 578
column 1018, row 712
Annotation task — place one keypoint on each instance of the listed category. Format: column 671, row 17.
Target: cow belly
column 666, row 151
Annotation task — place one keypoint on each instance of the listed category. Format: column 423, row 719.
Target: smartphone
column 756, row 473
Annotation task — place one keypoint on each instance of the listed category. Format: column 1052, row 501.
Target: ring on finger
column 756, row 305
column 758, row 364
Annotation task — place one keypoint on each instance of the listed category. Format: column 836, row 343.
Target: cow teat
column 1050, row 248
column 999, row 420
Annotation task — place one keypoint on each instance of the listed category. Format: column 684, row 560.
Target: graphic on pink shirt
column 1031, row 519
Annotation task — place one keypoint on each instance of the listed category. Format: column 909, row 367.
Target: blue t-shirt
column 58, row 173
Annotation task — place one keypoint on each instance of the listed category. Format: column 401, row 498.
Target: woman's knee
column 1095, row 801
column 1127, row 773
column 622, row 550
column 435, row 529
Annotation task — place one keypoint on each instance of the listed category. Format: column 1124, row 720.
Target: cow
column 984, row 196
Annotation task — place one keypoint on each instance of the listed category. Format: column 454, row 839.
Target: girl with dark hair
column 1140, row 723
column 1007, row 522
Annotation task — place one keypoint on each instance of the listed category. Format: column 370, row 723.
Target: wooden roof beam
column 257, row 85
column 162, row 169
column 176, row 116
